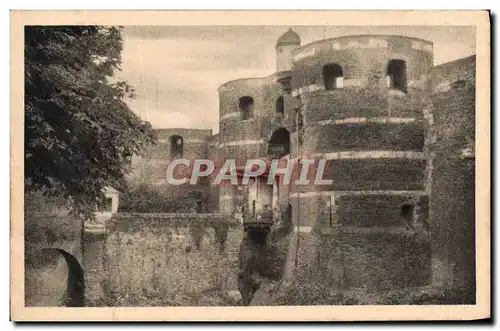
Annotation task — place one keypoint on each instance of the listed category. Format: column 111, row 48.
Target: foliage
column 79, row 131
column 143, row 198
column 46, row 224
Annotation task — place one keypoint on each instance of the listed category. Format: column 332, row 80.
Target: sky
column 176, row 70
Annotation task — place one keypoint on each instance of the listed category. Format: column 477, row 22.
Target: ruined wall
column 150, row 170
column 446, row 74
column 453, row 180
column 152, row 260
column 152, row 167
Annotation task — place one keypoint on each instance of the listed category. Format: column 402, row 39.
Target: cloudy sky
column 176, row 70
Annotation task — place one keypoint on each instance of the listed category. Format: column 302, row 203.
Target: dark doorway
column 246, row 107
column 176, row 146
column 109, row 204
column 279, row 144
column 280, row 106
column 396, row 73
column 332, row 76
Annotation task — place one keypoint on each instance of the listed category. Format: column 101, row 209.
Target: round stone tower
column 361, row 101
column 285, row 45
column 246, row 108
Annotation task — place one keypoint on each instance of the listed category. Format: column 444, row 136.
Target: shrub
column 143, row 198
column 45, row 224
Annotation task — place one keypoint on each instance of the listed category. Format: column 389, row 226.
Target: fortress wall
column 364, row 60
column 373, row 138
column 453, row 185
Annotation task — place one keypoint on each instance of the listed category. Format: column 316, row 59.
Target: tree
column 79, row 132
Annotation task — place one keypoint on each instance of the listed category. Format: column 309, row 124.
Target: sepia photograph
column 293, row 164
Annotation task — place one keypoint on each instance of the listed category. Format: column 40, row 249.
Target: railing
column 258, row 222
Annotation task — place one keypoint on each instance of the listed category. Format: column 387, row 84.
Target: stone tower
column 285, row 45
column 361, row 101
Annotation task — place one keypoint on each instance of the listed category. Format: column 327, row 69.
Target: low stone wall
column 163, row 260
column 136, row 221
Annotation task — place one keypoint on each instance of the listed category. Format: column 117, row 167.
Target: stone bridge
column 142, row 259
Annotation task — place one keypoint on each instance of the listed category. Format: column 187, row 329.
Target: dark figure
column 284, row 226
column 196, row 230
column 221, row 231
column 197, row 234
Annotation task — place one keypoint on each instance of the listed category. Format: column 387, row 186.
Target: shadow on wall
column 75, row 292
column 262, row 259
column 253, row 248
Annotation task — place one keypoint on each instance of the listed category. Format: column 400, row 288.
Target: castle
column 366, row 104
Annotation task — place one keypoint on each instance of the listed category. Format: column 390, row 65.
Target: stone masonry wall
column 360, row 260
column 373, row 138
column 46, row 271
column 453, row 185
column 152, row 260
column 152, row 167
